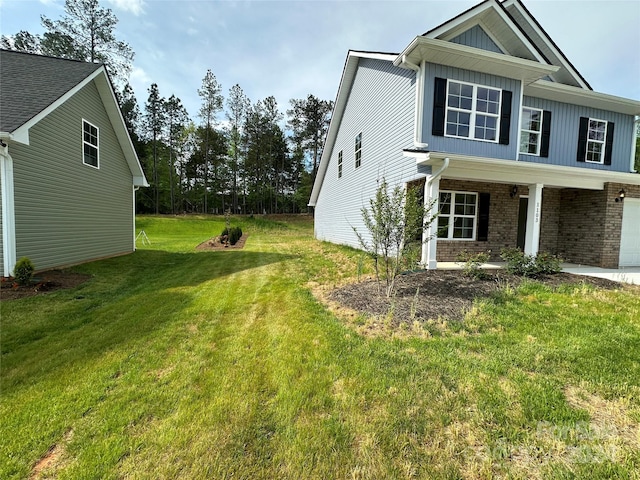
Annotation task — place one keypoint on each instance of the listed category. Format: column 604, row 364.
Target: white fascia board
column 545, row 38
column 445, row 30
column 110, row 103
column 464, row 167
column 348, row 74
column 578, row 96
column 470, row 58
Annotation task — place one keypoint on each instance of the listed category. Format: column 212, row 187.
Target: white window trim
column 473, row 113
column 340, row 164
column 358, row 152
column 97, row 146
column 452, row 217
column 524, row 130
column 603, row 142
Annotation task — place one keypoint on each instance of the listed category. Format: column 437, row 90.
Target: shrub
column 233, row 234
column 529, row 265
column 23, row 271
column 472, row 263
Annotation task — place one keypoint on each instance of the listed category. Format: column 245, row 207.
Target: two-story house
column 488, row 116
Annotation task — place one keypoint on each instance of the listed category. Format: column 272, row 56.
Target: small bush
column 528, row 265
column 23, row 271
column 233, row 234
column 472, row 263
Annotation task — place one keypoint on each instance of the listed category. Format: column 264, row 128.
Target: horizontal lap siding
column 68, row 212
column 465, row 146
column 381, row 106
column 563, row 143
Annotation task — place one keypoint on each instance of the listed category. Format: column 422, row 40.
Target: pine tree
column 154, row 126
column 211, row 105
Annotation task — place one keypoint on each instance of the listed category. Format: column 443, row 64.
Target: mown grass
column 172, row 363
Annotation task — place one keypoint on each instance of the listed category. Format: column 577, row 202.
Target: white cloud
column 134, row 6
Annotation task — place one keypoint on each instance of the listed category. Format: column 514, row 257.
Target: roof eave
column 579, row 96
column 470, row 58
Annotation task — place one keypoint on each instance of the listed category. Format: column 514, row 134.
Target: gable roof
column 32, row 86
column 30, row 83
column 512, row 27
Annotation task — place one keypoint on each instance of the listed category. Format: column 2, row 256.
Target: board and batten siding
column 465, row 146
column 68, row 212
column 563, row 142
column 381, row 106
column 476, row 37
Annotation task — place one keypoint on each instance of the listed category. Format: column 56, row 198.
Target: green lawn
column 172, row 363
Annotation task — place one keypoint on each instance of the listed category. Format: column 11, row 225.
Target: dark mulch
column 215, row 243
column 444, row 294
column 42, row 283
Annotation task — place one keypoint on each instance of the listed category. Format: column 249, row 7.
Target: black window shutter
column 546, row 133
column 483, row 216
column 582, row 139
column 608, row 146
column 439, row 106
column 505, row 117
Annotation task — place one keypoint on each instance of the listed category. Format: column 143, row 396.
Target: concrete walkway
column 623, row 274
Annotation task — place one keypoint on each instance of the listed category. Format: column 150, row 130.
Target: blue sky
column 291, row 48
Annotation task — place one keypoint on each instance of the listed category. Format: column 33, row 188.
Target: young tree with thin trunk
column 212, row 99
column 154, row 123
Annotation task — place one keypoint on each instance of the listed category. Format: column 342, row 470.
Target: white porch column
column 430, row 237
column 8, row 212
column 534, row 215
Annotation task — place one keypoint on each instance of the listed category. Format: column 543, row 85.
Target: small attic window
column 90, row 149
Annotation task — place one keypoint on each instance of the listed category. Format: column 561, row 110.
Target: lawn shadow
column 128, row 299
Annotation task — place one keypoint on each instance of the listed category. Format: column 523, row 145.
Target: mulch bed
column 215, row 244
column 440, row 294
column 42, row 283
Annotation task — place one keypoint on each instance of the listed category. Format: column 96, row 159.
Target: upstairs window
column 457, row 215
column 340, row 164
column 358, row 150
column 473, row 111
column 595, row 141
column 90, row 149
column 466, row 110
column 535, row 132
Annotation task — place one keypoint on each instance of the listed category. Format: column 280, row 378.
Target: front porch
column 566, row 211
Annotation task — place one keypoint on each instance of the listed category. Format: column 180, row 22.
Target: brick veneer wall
column 591, row 224
column 503, row 220
column 582, row 226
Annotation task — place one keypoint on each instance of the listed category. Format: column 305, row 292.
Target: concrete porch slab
column 623, row 274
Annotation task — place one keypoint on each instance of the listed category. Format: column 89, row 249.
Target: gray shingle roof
column 30, row 83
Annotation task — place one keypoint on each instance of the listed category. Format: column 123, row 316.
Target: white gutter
column 8, row 208
column 417, row 119
column 632, row 163
column 436, row 175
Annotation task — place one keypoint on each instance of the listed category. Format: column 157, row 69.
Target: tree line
column 235, row 155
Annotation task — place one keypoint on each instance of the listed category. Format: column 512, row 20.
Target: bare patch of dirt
column 41, row 284
column 47, row 466
column 217, row 243
column 434, row 294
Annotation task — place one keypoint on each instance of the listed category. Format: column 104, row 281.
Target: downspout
column 436, row 175
column 632, row 163
column 135, row 189
column 431, row 191
column 417, row 120
column 8, row 207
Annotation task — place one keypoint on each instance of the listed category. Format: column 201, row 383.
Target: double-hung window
column 358, row 150
column 458, row 212
column 596, row 135
column 90, row 149
column 472, row 111
column 531, row 134
column 340, row 164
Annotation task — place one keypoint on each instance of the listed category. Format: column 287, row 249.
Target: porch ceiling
column 524, row 173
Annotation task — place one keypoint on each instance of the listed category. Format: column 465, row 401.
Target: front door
column 522, row 222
